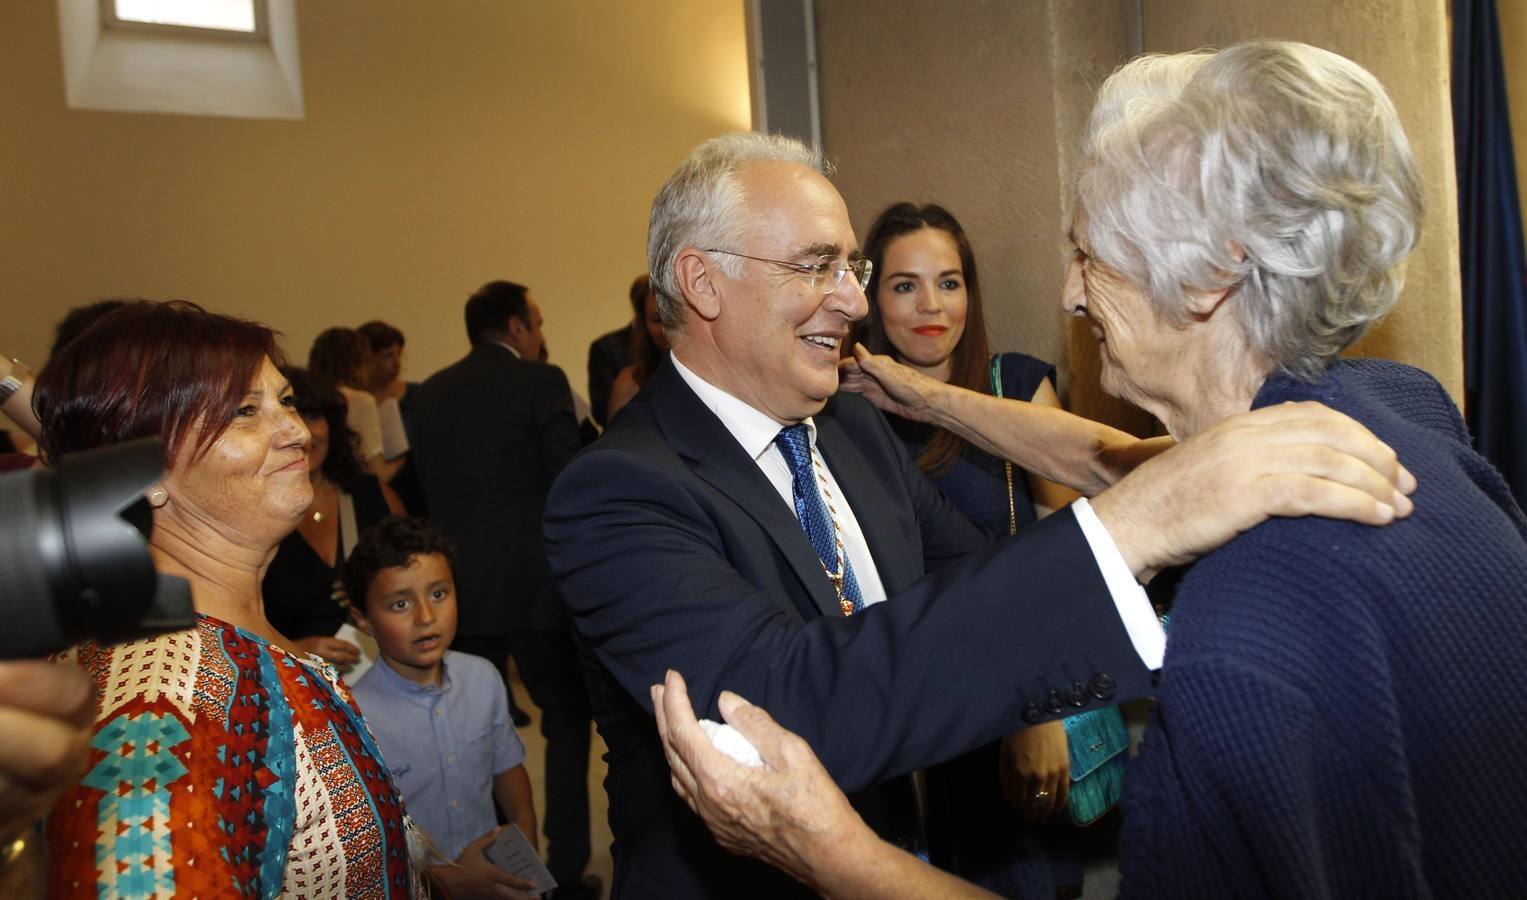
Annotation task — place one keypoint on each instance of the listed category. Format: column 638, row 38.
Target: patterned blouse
column 223, row 765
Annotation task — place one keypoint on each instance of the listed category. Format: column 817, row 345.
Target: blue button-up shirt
column 443, row 744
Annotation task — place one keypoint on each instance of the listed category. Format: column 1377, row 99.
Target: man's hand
column 1034, row 767
column 341, row 654
column 1294, row 459
column 788, row 813
column 888, row 384
column 474, row 876
column 46, row 713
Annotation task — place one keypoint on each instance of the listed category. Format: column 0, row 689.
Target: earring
column 158, row 497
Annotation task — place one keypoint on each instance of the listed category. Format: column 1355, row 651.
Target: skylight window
column 227, row 17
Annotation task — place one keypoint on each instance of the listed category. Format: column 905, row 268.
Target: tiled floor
column 599, row 807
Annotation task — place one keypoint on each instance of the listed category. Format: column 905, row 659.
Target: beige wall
column 981, row 105
column 444, row 144
column 957, row 104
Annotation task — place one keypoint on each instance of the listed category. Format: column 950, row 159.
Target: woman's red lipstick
column 930, row 330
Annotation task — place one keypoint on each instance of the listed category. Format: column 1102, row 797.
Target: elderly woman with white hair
column 1336, row 698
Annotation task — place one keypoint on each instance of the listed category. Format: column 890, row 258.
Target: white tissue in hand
column 731, row 742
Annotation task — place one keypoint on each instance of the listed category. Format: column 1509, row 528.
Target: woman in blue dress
column 925, row 311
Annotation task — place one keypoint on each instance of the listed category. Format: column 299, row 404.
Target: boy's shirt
column 443, row 744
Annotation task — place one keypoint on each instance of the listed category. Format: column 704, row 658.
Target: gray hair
column 1286, row 153
column 701, row 205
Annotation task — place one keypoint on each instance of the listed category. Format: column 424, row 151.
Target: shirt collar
column 510, row 349
column 398, row 684
column 753, row 429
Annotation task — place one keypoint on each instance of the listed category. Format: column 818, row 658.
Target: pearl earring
column 158, row 497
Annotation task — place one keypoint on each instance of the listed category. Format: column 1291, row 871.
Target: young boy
column 441, row 718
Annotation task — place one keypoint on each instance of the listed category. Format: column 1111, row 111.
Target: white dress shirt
column 755, row 432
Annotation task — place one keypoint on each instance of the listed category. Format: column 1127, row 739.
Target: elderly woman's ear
column 1203, row 304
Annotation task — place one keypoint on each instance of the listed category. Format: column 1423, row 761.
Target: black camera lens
column 73, row 556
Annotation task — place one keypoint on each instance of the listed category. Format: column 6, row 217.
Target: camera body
column 74, row 557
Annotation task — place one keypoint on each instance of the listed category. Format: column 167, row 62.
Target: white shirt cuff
column 1135, row 610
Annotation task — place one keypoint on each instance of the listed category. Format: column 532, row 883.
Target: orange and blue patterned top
column 224, row 766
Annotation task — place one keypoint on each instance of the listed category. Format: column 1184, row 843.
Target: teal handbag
column 1096, row 740
column 1098, row 744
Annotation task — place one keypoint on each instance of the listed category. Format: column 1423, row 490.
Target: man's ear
column 516, row 327
column 694, row 271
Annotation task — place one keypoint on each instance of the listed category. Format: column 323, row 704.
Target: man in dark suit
column 491, row 432
column 608, row 354
column 743, row 524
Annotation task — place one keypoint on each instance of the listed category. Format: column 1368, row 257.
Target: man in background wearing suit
column 742, row 524
column 608, row 354
column 492, row 431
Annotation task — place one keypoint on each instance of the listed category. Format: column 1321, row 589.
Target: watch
column 9, row 385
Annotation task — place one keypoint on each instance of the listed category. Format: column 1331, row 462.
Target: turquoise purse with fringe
column 1097, row 740
column 1099, row 748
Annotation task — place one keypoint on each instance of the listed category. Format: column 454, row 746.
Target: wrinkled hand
column 1293, row 459
column 342, row 655
column 789, row 813
column 888, row 384
column 1034, row 767
column 46, row 713
column 474, row 875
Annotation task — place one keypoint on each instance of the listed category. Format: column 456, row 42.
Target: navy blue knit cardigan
column 1341, row 712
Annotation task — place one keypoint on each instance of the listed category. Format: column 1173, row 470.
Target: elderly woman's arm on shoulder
column 789, row 813
column 1056, row 445
column 1164, row 504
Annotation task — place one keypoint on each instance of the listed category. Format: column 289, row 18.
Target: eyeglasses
column 825, row 277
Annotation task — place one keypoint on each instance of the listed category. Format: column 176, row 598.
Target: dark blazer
column 490, row 433
column 673, row 550
column 608, row 354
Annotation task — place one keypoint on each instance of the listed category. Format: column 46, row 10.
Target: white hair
column 1276, row 169
column 701, row 205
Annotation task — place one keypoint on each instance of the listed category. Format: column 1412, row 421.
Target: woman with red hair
column 224, row 761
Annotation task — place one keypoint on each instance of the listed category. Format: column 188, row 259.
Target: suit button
column 1076, row 695
column 1031, row 714
column 1053, row 702
column 1102, row 686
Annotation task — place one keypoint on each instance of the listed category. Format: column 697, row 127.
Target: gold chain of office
column 837, row 577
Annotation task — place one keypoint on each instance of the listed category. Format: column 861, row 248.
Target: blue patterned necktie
column 817, row 516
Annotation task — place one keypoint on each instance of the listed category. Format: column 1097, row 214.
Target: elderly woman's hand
column 888, row 384
column 46, row 713
column 788, row 813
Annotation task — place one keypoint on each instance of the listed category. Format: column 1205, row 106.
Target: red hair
column 164, row 369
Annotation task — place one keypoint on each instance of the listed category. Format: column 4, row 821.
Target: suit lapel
column 714, row 456
column 898, row 564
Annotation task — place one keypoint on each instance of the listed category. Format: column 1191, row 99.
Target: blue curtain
column 1490, row 242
